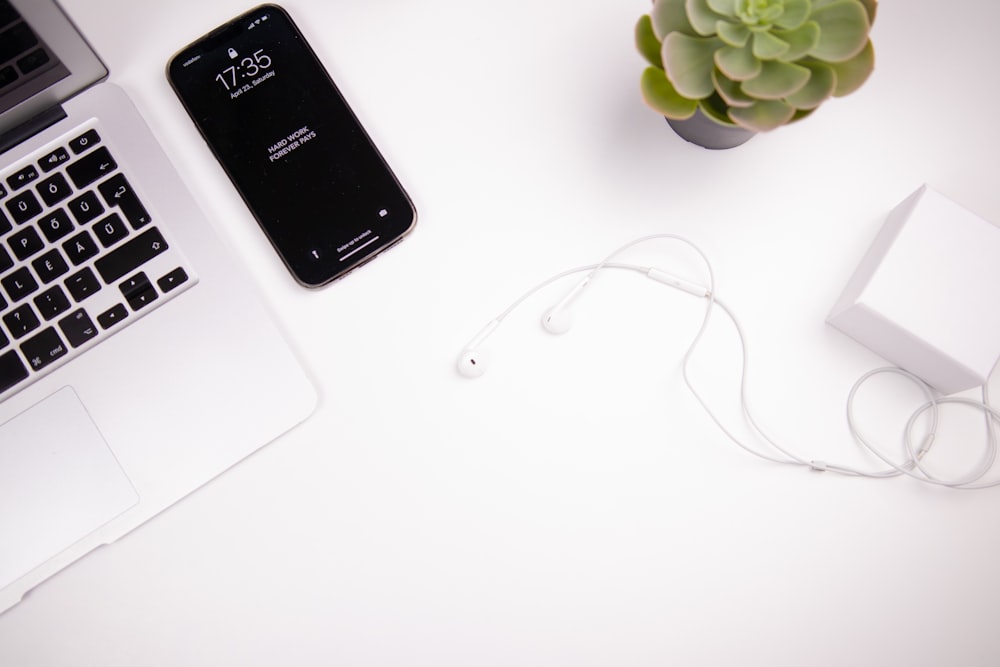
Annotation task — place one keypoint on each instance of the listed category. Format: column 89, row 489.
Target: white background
column 574, row 506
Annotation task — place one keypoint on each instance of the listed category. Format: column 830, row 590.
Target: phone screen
column 275, row 120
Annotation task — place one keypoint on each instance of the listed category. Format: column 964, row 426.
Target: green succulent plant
column 758, row 64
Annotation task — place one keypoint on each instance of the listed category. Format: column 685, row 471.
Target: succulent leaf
column 737, row 64
column 851, row 74
column 661, row 95
column 723, row 7
column 776, row 80
column 767, row 46
column 689, row 62
column 645, row 40
column 843, row 30
column 800, row 114
column 733, row 34
column 795, row 13
column 670, row 16
column 801, row 40
column 759, row 13
column 871, row 7
column 715, row 108
column 763, row 115
column 730, row 91
column 701, row 16
column 818, row 88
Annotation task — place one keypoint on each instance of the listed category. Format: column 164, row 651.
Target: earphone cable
column 912, row 466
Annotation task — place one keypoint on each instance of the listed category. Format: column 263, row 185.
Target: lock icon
column 232, row 53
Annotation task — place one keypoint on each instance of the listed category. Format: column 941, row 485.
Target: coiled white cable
column 912, row 466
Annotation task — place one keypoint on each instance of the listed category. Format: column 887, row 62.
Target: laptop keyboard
column 80, row 257
column 21, row 52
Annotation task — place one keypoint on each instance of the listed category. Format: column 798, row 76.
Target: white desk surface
column 574, row 506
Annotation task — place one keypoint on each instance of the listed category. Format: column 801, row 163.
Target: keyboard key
column 50, row 266
column 43, row 349
column 93, row 166
column 34, row 60
column 19, row 284
column 22, row 177
column 5, row 225
column 78, row 327
column 110, row 230
column 21, row 321
column 54, row 189
column 23, row 207
column 85, row 208
column 7, row 13
column 55, row 225
column 8, row 75
column 112, row 316
column 52, row 302
column 54, row 159
column 117, row 192
column 138, row 291
column 82, row 284
column 131, row 255
column 85, row 141
column 12, row 370
column 26, row 243
column 5, row 261
column 80, row 248
column 17, row 40
column 172, row 280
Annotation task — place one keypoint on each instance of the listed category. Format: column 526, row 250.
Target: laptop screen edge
column 85, row 68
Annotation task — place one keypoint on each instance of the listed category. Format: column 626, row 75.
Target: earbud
column 473, row 362
column 559, row 318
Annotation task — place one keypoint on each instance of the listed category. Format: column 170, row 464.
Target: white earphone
column 473, row 363
column 559, row 318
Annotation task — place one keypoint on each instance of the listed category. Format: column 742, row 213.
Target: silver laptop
column 136, row 363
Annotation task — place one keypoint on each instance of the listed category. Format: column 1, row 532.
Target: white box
column 926, row 296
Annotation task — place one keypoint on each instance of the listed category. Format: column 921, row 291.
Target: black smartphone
column 304, row 165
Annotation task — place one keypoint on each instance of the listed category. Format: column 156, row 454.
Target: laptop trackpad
column 59, row 482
